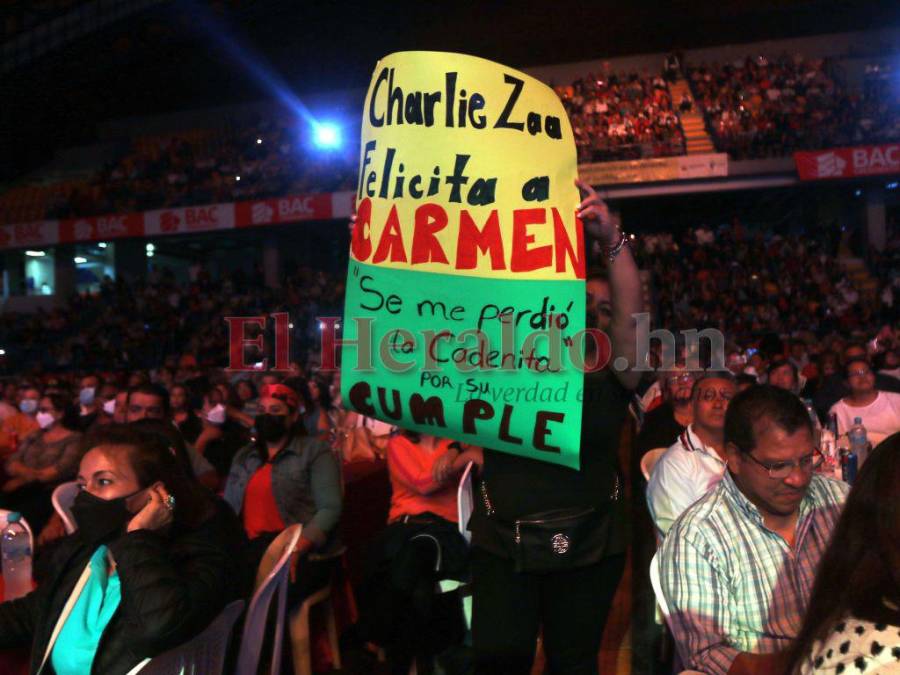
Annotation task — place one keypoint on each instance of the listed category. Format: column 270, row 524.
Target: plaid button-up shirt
column 733, row 585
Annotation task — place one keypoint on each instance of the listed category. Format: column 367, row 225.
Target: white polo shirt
column 881, row 417
column 686, row 471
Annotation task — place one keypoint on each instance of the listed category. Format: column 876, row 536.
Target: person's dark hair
column 63, row 403
column 170, row 435
column 861, row 566
column 597, row 274
column 153, row 459
column 856, row 346
column 856, row 361
column 324, row 399
column 744, row 378
column 763, row 404
column 150, row 389
column 299, row 384
column 713, row 375
column 249, row 383
column 779, row 363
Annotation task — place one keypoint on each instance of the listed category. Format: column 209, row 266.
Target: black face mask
column 271, row 428
column 100, row 520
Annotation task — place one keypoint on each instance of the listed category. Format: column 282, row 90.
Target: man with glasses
column 879, row 410
column 694, row 464
column 738, row 566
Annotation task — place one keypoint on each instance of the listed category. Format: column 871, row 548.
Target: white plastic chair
column 649, row 460
column 657, row 586
column 299, row 631
column 271, row 578
column 204, row 655
column 4, row 514
column 465, row 503
column 63, row 498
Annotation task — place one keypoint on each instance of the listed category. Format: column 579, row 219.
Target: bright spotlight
column 259, row 141
column 237, row 177
column 35, row 254
column 79, row 260
column 150, row 247
column 102, row 244
column 327, row 136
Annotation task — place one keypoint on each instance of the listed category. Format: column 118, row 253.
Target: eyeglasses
column 712, row 394
column 859, row 373
column 781, row 470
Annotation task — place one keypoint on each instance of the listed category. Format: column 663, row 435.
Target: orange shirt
column 20, row 424
column 260, row 510
column 413, row 490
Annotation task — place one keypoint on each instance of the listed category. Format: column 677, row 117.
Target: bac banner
column 179, row 220
column 466, row 276
column 864, row 160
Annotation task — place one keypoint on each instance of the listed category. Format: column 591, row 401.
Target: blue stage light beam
column 250, row 61
column 327, row 136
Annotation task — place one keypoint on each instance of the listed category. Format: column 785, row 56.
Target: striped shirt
column 731, row 584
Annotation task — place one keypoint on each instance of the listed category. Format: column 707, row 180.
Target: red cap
column 282, row 393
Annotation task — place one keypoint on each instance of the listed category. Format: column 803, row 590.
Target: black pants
column 571, row 607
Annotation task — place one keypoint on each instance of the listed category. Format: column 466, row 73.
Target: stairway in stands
column 697, row 139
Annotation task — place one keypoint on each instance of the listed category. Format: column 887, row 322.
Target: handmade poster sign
column 465, row 289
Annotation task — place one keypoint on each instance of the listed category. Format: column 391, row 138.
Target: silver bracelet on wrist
column 614, row 250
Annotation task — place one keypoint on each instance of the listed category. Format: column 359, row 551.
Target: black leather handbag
column 552, row 541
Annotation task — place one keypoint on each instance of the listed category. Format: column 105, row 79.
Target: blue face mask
column 28, row 405
column 86, row 396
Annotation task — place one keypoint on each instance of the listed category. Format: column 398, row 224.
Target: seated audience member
column 835, row 387
column 120, row 408
column 853, row 620
column 285, row 477
column 89, row 407
column 879, row 410
column 221, row 436
column 737, row 567
column 318, row 406
column 107, row 403
column 421, row 545
column 151, row 564
column 695, row 463
column 18, row 426
column 666, row 422
column 183, row 414
column 151, row 401
column 783, row 373
column 45, row 459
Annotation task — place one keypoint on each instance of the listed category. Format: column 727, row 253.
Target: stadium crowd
column 622, row 116
column 140, row 365
column 761, row 107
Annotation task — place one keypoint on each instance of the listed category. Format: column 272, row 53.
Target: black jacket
column 173, row 586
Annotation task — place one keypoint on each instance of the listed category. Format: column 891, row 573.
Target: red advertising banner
column 864, row 160
column 181, row 220
column 283, row 210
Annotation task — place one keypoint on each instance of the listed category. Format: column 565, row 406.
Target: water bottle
column 15, row 548
column 859, row 444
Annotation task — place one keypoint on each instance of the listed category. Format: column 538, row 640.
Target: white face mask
column 45, row 419
column 110, row 407
column 216, row 414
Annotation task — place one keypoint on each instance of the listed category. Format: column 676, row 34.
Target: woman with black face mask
column 284, row 477
column 150, row 566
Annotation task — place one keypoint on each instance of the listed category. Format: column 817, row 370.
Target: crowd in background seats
column 622, row 116
column 255, row 159
column 760, row 107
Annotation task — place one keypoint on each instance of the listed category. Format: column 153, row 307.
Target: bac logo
column 261, row 213
column 294, row 207
column 830, row 165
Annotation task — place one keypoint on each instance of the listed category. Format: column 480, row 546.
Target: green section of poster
column 485, row 361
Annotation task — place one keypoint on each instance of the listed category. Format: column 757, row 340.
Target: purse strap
column 489, row 507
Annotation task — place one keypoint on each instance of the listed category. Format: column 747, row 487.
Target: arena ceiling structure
column 182, row 55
